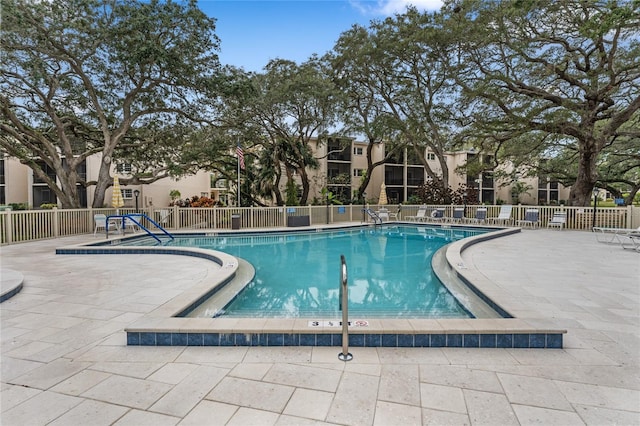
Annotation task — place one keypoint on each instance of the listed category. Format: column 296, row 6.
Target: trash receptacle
column 235, row 221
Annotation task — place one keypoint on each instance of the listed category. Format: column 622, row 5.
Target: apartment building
column 343, row 162
column 19, row 185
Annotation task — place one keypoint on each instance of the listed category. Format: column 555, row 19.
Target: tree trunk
column 305, row 186
column 104, row 181
column 586, row 178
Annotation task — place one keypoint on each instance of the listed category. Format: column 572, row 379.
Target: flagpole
column 238, row 160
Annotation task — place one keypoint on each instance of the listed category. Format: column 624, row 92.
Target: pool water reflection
column 297, row 274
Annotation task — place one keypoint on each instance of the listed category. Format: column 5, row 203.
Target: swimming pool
column 390, row 273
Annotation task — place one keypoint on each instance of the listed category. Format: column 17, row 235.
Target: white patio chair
column 420, row 216
column 100, row 222
column 383, row 214
column 504, row 216
column 559, row 220
column 610, row 235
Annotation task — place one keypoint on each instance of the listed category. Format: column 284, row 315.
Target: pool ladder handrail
column 344, row 307
column 132, row 217
column 377, row 220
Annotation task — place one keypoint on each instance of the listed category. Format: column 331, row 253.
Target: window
column 431, row 156
column 123, row 168
column 43, row 195
column 358, row 172
column 48, row 171
column 127, row 194
column 357, row 151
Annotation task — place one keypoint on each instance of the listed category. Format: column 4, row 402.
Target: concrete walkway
column 65, row 362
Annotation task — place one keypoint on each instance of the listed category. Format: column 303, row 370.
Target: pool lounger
column 612, row 235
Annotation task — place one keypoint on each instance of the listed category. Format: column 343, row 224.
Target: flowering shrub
column 194, row 201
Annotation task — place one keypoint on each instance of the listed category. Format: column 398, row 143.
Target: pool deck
column 65, row 360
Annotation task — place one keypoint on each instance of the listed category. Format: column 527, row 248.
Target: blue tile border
column 392, row 340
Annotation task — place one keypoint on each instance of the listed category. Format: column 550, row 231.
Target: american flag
column 240, row 156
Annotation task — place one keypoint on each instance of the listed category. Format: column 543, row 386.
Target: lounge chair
column 559, row 220
column 504, row 216
column 437, row 215
column 394, row 215
column 481, row 216
column 458, row 215
column 130, row 224
column 383, row 214
column 630, row 240
column 420, row 216
column 610, row 235
column 163, row 217
column 100, row 222
column 531, row 217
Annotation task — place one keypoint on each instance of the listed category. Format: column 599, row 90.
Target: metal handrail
column 132, row 217
column 376, row 219
column 344, row 307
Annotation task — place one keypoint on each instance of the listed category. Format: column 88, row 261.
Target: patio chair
column 504, row 216
column 531, row 217
column 163, row 217
column 383, row 214
column 100, row 222
column 420, row 216
column 630, row 240
column 458, row 215
column 437, row 215
column 130, row 224
column 481, row 216
column 394, row 215
column 610, row 235
column 559, row 220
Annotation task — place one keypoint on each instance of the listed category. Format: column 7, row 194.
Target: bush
column 48, row 206
column 19, row 206
column 194, row 201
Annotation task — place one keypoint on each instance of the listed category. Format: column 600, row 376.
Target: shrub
column 19, row 206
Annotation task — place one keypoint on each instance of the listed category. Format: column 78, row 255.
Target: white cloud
column 390, row 7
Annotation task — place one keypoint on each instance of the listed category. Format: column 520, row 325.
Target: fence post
column 56, row 224
column 176, row 217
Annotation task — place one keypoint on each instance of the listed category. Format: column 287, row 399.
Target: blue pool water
column 297, row 274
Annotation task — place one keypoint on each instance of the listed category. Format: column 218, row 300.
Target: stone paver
column 64, row 359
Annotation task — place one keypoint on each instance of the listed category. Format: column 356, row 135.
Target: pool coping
column 161, row 327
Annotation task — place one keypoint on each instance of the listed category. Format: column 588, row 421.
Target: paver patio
column 65, row 361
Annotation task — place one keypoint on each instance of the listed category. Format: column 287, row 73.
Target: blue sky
column 252, row 32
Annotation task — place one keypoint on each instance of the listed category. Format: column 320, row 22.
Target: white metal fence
column 30, row 225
